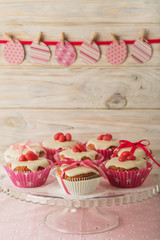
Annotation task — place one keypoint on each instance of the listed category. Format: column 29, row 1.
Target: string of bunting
column 89, row 52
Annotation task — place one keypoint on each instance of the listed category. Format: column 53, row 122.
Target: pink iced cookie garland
column 14, row 52
column 116, row 53
column 65, row 55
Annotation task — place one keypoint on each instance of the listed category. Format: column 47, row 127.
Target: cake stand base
column 81, row 220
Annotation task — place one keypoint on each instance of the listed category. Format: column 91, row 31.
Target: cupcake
column 13, row 151
column 104, row 144
column 127, row 170
column 29, row 170
column 57, row 144
column 78, row 180
column 79, row 153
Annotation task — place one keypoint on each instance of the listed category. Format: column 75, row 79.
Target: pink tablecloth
column 22, row 220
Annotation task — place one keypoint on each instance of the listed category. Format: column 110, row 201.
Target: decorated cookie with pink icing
column 65, row 55
column 116, row 53
column 13, row 52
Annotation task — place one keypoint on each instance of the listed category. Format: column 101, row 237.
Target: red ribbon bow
column 141, row 144
column 73, row 164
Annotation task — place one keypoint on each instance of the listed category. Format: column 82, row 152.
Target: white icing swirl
column 55, row 144
column 102, row 144
column 79, row 155
column 32, row 165
column 140, row 163
column 78, row 170
column 10, row 154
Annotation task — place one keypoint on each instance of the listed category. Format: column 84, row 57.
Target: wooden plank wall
column 36, row 102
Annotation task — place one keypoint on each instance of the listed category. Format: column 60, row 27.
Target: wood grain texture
column 133, row 11
column 19, row 125
column 80, row 88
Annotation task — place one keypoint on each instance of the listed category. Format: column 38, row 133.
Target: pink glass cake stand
column 73, row 214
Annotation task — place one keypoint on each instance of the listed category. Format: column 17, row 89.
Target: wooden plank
column 80, row 88
column 19, row 125
column 79, row 32
column 80, row 10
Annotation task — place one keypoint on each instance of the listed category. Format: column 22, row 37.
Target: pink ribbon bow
column 21, row 147
column 73, row 164
column 141, row 144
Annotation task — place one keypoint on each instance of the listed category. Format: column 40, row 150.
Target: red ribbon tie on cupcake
column 73, row 164
column 141, row 144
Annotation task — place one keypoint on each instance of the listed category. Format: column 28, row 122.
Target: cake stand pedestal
column 74, row 214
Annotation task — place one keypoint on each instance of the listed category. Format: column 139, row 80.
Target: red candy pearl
column 68, row 137
column 57, row 135
column 31, row 156
column 62, row 138
column 121, row 159
column 81, row 148
column 125, row 154
column 22, row 158
column 100, row 137
column 75, row 149
column 131, row 157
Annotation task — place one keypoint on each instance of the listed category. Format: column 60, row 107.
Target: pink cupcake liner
column 51, row 152
column 97, row 162
column 28, row 179
column 106, row 153
column 127, row 179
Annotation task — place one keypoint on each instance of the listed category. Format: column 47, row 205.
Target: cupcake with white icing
column 104, row 144
column 127, row 170
column 28, row 170
column 80, row 180
column 58, row 143
column 79, row 153
column 12, row 152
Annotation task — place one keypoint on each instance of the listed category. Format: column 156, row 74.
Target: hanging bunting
column 13, row 51
column 89, row 51
column 39, row 52
column 116, row 53
column 141, row 50
column 65, row 54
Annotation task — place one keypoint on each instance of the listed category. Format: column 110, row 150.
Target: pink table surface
column 22, row 220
